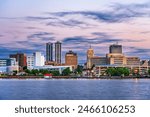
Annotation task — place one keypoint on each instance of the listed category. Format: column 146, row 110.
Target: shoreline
column 71, row 77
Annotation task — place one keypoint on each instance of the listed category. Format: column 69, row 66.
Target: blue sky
column 26, row 25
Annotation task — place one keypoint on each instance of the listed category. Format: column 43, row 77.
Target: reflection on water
column 75, row 89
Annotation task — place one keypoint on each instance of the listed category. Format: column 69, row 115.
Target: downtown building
column 115, row 58
column 8, row 65
column 71, row 58
column 37, row 59
column 21, row 58
column 49, row 51
column 90, row 55
column 56, row 51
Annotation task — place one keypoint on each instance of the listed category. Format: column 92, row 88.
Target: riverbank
column 75, row 77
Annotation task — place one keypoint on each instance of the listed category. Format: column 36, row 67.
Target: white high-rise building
column 30, row 62
column 14, row 62
column 42, row 60
column 39, row 59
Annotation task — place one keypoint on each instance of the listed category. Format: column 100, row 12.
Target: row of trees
column 65, row 72
column 41, row 72
column 122, row 72
column 118, row 71
column 77, row 71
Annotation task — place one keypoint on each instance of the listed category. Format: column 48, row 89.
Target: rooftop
column 71, row 52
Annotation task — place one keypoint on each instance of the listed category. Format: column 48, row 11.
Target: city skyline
column 27, row 25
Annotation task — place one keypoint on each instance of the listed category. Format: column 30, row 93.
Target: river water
column 82, row 89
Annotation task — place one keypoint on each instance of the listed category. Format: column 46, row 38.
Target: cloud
column 138, row 8
column 109, row 16
column 104, row 35
column 138, row 50
column 14, row 51
column 39, row 18
column 53, row 20
column 81, row 40
column 41, row 36
column 6, row 51
column 143, row 53
column 102, row 38
column 115, row 13
column 34, row 42
column 95, row 15
column 69, row 23
column 118, row 13
column 32, row 28
column 27, row 47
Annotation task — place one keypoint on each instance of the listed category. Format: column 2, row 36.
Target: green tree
column 126, row 71
column 149, row 71
column 44, row 71
column 24, row 68
column 66, row 72
column 55, row 73
column 34, row 71
column 15, row 72
column 118, row 71
column 110, row 71
column 28, row 71
column 79, row 69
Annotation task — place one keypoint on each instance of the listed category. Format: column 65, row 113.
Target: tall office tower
column 39, row 59
column 115, row 55
column 49, row 51
column 20, row 58
column 90, row 54
column 71, row 59
column 58, row 52
column 115, row 48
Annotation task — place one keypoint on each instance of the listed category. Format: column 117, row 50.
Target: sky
column 26, row 25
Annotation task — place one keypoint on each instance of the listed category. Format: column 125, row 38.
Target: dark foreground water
column 74, row 89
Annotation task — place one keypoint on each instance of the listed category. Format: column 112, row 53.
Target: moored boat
column 47, row 76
